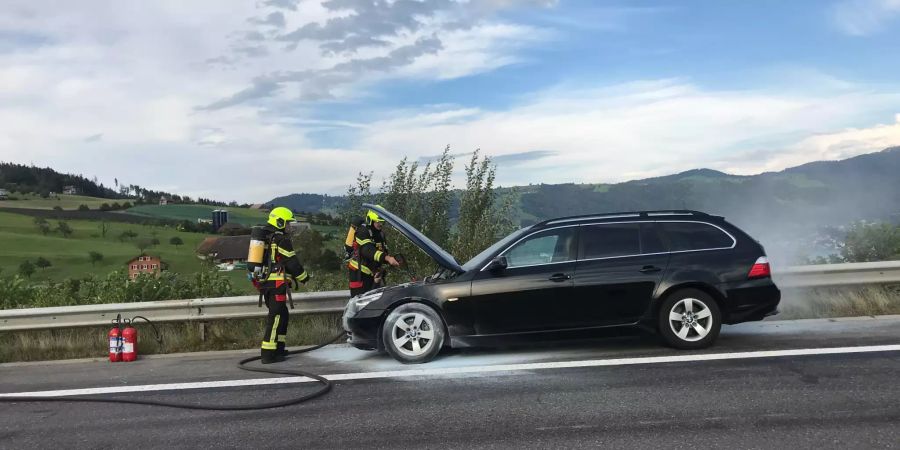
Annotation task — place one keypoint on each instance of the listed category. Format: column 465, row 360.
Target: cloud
column 648, row 128
column 511, row 159
column 283, row 4
column 275, row 19
column 94, row 138
column 318, row 84
column 864, row 17
column 364, row 41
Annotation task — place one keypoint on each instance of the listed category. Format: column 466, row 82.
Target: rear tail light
column 760, row 268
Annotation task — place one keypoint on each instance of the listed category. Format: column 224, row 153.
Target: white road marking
column 461, row 370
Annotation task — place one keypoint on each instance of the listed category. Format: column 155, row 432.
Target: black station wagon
column 681, row 273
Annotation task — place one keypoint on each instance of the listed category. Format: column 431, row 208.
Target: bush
column 95, row 257
column 105, row 207
column 114, row 288
column 42, row 263
column 83, row 208
column 57, row 208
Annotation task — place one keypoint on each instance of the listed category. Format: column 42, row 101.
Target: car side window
column 551, row 246
column 650, row 239
column 610, row 240
column 685, row 236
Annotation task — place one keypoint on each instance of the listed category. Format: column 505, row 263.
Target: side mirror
column 498, row 264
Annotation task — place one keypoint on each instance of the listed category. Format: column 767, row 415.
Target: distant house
column 4, row 195
column 70, row 190
column 257, row 206
column 163, row 201
column 225, row 249
column 145, row 264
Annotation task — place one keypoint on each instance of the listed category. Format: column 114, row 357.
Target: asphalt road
column 810, row 401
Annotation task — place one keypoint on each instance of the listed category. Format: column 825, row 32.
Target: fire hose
column 242, row 364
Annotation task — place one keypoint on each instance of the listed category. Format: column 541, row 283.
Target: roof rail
column 622, row 215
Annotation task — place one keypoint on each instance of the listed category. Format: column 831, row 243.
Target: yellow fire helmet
column 372, row 216
column 280, row 216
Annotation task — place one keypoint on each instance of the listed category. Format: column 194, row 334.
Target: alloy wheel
column 413, row 334
column 690, row 319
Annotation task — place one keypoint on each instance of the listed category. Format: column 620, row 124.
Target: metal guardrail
column 847, row 274
column 196, row 310
column 200, row 310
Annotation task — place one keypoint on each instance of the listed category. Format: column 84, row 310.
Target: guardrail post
column 202, row 331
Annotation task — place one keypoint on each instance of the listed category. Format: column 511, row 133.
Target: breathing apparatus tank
column 257, row 257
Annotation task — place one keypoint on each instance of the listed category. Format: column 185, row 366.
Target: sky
column 248, row 100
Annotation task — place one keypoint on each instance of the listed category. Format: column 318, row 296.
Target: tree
column 42, row 263
column 105, row 207
column 871, row 242
column 83, row 208
column 176, row 241
column 482, row 220
column 115, row 206
column 64, row 229
column 126, row 205
column 143, row 244
column 154, row 241
column 26, row 269
column 42, row 225
column 95, row 257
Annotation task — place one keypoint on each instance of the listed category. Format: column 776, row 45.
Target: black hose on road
column 326, row 387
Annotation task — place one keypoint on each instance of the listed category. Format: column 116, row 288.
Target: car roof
column 628, row 216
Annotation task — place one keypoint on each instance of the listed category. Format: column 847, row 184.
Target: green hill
column 67, row 202
column 21, row 240
column 243, row 216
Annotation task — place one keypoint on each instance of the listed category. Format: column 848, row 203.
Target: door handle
column 558, row 277
column 650, row 269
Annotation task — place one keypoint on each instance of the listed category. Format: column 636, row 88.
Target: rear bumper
column 363, row 328
column 751, row 301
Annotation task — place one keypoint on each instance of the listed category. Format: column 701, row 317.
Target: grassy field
column 242, row 216
column 176, row 337
column 68, row 202
column 21, row 240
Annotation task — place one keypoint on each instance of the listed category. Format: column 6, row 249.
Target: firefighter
column 286, row 269
column 369, row 253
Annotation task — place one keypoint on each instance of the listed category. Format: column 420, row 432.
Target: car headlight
column 361, row 302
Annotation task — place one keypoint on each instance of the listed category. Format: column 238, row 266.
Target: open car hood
column 433, row 250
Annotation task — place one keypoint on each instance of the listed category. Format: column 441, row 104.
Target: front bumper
column 363, row 327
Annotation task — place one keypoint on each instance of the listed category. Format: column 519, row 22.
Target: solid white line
column 461, row 370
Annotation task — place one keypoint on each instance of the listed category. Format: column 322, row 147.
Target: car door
column 619, row 268
column 532, row 293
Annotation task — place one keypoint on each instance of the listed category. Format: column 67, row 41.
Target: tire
column 689, row 319
column 413, row 333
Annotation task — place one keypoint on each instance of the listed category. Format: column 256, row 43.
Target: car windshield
column 480, row 259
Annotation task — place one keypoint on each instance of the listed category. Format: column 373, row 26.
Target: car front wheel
column 689, row 319
column 413, row 333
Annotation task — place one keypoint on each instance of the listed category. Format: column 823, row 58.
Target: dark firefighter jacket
column 369, row 251
column 284, row 260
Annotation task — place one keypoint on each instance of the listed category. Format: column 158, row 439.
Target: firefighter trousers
column 364, row 282
column 273, row 343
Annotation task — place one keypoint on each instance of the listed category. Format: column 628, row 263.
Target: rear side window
column 610, row 240
column 684, row 236
column 650, row 240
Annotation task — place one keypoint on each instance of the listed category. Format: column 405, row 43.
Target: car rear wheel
column 413, row 333
column 689, row 319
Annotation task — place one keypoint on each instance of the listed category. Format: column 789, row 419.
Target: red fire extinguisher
column 115, row 341
column 129, row 342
